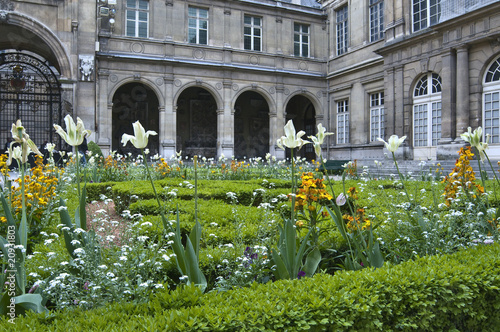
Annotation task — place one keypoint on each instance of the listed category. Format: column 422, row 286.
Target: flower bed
column 202, row 243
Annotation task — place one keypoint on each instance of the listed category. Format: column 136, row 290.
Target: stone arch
column 134, row 101
column 303, row 111
column 215, row 94
column 312, row 98
column 35, row 37
column 197, row 108
column 265, row 94
column 150, row 84
column 251, row 128
column 489, row 107
column 486, row 66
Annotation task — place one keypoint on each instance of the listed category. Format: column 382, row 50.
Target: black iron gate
column 30, row 91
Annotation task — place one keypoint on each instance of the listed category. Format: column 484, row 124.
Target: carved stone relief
column 86, row 67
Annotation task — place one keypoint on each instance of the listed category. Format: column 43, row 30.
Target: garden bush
column 458, row 292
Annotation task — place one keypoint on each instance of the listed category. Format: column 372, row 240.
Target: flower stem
column 166, row 225
column 195, row 164
column 294, row 189
column 78, row 171
column 401, row 177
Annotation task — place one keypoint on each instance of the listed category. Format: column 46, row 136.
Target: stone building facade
column 223, row 77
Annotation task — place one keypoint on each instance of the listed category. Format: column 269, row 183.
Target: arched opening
column 196, row 123
column 426, row 115
column 491, row 102
column 134, row 102
column 30, row 91
column 303, row 114
column 251, row 126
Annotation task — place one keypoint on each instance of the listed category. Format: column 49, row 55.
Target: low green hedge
column 459, row 292
column 207, row 189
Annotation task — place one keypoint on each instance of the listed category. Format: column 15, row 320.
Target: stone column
column 357, row 115
column 279, row 123
column 168, row 120
column 399, row 103
column 400, row 112
column 225, row 119
column 447, row 98
column 104, row 113
column 221, row 135
column 462, row 117
column 389, row 103
column 446, row 149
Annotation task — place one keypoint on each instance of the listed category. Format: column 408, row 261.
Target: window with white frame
column 343, row 121
column 252, row 33
column 376, row 20
column 427, row 111
column 425, row 13
column 137, row 18
column 377, row 128
column 301, row 39
column 342, row 32
column 491, row 102
column 198, row 25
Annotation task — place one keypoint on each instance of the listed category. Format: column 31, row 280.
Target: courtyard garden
column 153, row 243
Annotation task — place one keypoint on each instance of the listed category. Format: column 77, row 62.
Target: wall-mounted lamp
column 112, row 24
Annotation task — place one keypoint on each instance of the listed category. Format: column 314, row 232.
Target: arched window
column 427, row 110
column 491, row 94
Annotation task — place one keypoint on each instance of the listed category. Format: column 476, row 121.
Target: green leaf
column 4, row 302
column 31, row 302
column 68, row 234
column 288, row 253
column 8, row 214
column 281, row 272
column 300, row 255
column 376, row 259
column 195, row 237
column 179, row 249
column 312, row 261
column 194, row 273
column 337, row 217
column 23, row 231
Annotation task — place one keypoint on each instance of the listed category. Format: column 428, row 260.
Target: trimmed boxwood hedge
column 458, row 292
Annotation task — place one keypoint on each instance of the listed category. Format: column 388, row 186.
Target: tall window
column 342, row 43
column 198, row 25
column 425, row 13
column 343, row 121
column 301, row 39
column 427, row 111
column 137, row 12
column 376, row 20
column 491, row 102
column 252, row 33
column 377, row 116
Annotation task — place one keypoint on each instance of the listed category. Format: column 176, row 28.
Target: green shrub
column 95, row 149
column 458, row 292
column 95, row 190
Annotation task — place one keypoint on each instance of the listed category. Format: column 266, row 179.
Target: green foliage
column 435, row 293
column 95, row 149
column 125, row 192
column 289, row 260
column 96, row 190
column 13, row 271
